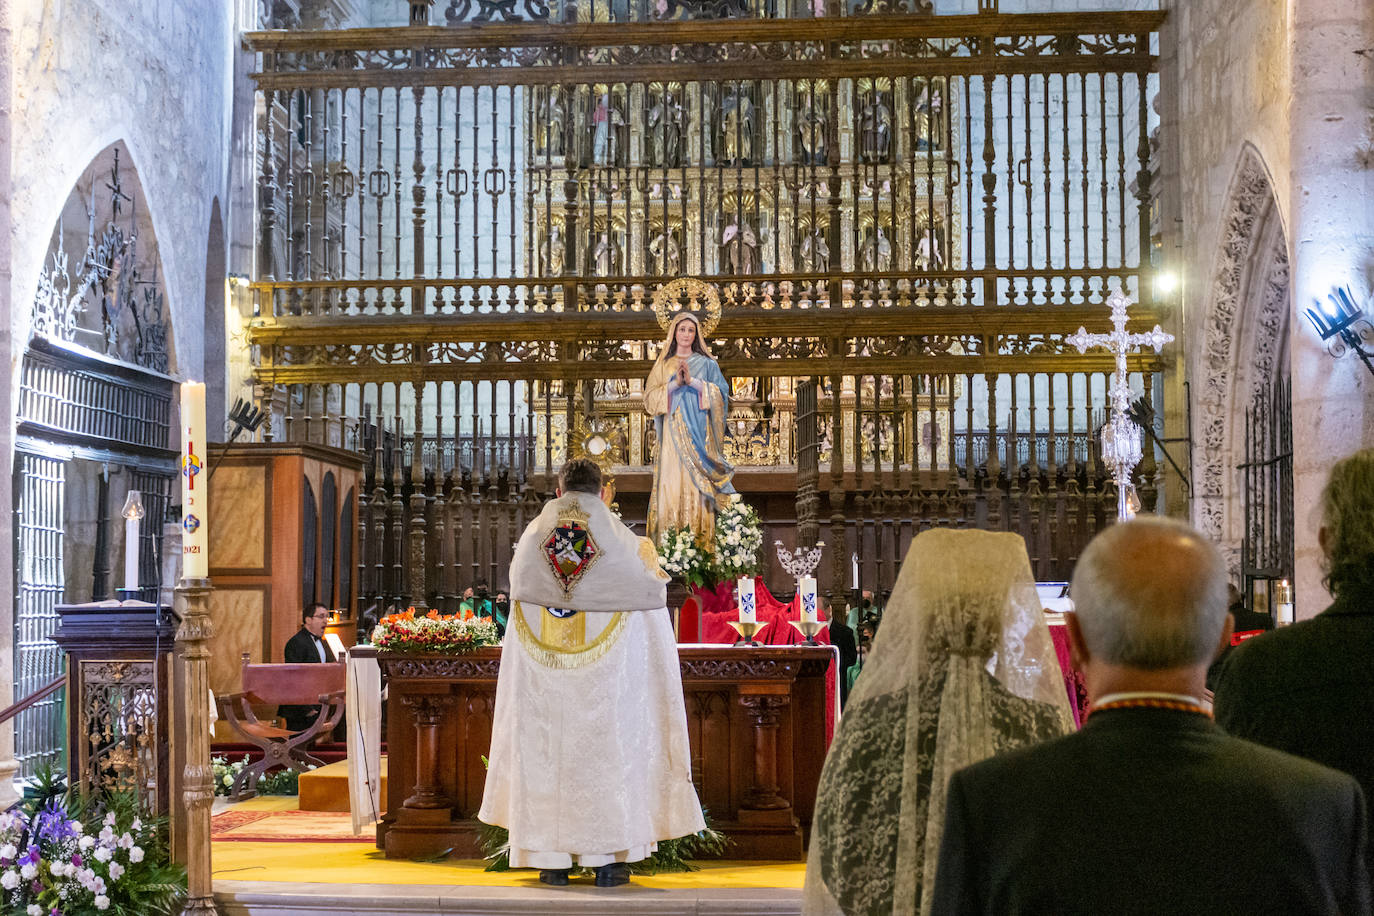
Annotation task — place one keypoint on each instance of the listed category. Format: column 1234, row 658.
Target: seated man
column 589, row 760
column 1142, row 811
column 306, row 647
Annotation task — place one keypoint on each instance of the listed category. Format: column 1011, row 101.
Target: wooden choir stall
column 756, row 721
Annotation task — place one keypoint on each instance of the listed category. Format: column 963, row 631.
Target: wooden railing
column 33, row 699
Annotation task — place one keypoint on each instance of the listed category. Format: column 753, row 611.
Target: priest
column 589, row 762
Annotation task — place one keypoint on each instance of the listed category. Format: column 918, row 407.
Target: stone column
column 9, row 767
column 1332, row 232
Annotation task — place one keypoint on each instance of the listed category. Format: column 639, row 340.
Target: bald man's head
column 1150, row 594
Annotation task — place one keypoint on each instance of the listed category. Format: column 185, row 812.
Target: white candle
column 195, row 503
column 748, row 612
column 133, row 511
column 1285, row 602
column 855, row 560
column 806, row 587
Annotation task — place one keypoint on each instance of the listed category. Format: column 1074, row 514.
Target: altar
column 756, row 722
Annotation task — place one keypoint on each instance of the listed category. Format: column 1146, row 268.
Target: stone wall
column 75, row 78
column 152, row 73
column 1331, row 202
column 1265, row 106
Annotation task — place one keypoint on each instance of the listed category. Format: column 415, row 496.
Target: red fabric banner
column 718, row 606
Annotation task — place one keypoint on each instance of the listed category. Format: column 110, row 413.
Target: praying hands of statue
column 684, row 378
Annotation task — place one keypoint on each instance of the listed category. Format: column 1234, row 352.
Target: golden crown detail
column 688, row 293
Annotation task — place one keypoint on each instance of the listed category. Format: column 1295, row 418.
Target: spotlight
column 1343, row 326
column 1166, row 281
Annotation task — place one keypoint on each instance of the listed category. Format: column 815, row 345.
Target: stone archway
column 1245, row 334
column 93, row 418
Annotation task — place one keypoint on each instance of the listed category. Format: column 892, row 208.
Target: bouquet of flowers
column 277, row 782
column 739, row 538
column 683, row 558
column 51, row 863
column 434, row 632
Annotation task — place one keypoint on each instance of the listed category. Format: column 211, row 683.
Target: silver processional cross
column 1121, row 439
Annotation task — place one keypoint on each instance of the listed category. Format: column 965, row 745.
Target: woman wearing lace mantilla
column 963, row 668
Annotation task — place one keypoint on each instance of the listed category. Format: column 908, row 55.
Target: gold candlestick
column 746, row 630
column 809, row 629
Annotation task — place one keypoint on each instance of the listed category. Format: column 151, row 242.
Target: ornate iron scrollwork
column 119, row 722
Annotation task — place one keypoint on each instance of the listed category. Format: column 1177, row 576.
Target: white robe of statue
column 589, row 759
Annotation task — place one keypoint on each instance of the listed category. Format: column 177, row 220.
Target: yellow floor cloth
column 347, row 863
column 360, row 863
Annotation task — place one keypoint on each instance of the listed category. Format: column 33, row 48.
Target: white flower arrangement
column 733, row 552
column 682, row 557
column 739, row 538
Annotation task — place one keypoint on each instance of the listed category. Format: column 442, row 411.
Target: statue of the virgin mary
column 688, row 397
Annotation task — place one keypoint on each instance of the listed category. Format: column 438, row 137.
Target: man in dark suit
column 1143, row 810
column 842, row 638
column 1308, row 689
column 306, row 647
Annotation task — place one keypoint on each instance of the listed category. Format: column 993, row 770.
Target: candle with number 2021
column 195, row 485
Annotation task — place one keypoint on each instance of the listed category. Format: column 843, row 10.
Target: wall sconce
column 1342, row 326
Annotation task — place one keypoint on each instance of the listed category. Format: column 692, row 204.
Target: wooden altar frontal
column 755, row 717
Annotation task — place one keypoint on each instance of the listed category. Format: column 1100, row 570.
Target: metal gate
column 39, row 483
column 1267, row 545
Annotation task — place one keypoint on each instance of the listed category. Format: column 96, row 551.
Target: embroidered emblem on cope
column 569, row 548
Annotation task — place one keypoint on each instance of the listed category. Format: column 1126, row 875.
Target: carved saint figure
column 928, row 256
column 814, row 252
column 876, row 255
column 666, row 118
column 552, row 252
column 740, row 248
column 928, row 118
column 666, row 253
column 737, row 129
column 606, row 256
column 555, row 119
column 688, row 398
column 875, row 129
column 811, row 128
column 606, row 123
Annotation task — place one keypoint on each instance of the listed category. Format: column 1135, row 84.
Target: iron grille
column 40, row 731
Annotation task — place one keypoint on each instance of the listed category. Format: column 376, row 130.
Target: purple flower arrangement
column 53, row 864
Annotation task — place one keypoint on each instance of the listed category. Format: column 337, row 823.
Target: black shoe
column 613, row 875
column 557, row 877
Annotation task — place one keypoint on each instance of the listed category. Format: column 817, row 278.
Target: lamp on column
column 1343, row 326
